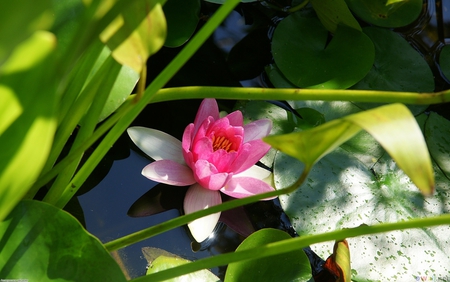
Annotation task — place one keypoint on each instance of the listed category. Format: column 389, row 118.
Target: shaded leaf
column 333, row 13
column 386, row 13
column 291, row 266
column 182, row 18
column 302, row 54
column 444, row 61
column 43, row 243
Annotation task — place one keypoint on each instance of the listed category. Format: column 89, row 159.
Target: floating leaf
column 139, row 32
column 301, row 52
column 27, row 134
column 444, row 61
column 397, row 67
column 291, row 266
column 392, row 126
column 43, row 243
column 182, row 18
column 386, row 13
column 333, row 13
column 163, row 260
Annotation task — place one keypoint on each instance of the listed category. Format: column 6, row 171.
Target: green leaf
column 386, row 13
column 291, row 266
column 20, row 19
column 43, row 243
column 444, row 61
column 29, row 85
column 392, row 126
column 341, row 192
column 182, row 18
column 160, row 260
column 302, row 54
column 333, row 13
column 397, row 67
column 139, row 32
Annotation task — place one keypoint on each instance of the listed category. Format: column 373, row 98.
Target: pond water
column 118, row 182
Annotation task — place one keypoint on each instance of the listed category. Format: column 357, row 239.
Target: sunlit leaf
column 291, row 266
column 302, row 53
column 139, row 32
column 333, row 13
column 31, row 101
column 386, row 13
column 392, row 126
column 20, row 19
column 182, row 18
column 164, row 260
column 43, row 243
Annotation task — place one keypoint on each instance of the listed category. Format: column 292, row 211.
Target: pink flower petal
column 198, row 198
column 207, row 108
column 235, row 118
column 257, row 129
column 169, row 172
column 156, row 144
column 255, row 172
column 250, row 153
column 208, row 177
column 240, row 187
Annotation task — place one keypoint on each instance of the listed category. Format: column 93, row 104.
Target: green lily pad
column 291, row 266
column 43, row 243
column 301, row 52
column 161, row 260
column 444, row 61
column 342, row 191
column 182, row 18
column 385, row 14
column 333, row 13
column 397, row 67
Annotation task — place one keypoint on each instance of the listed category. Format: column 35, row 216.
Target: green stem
column 182, row 220
column 192, row 46
column 291, row 244
column 375, row 96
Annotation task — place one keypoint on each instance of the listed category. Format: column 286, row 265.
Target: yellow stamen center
column 221, row 142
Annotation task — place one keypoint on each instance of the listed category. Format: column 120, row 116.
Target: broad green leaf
column 341, row 192
column 333, row 13
column 392, row 126
column 182, row 18
column 437, row 136
column 160, row 260
column 386, row 13
column 43, row 243
column 277, row 78
column 397, row 67
column 139, row 32
column 444, row 61
column 223, row 1
column 29, row 85
column 10, row 107
column 292, row 266
column 303, row 55
column 20, row 19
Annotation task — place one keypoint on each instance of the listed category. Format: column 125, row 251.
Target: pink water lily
column 215, row 155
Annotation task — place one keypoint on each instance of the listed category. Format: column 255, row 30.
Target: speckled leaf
column 44, row 243
column 392, row 126
column 303, row 54
column 291, row 266
column 342, row 192
column 386, row 13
